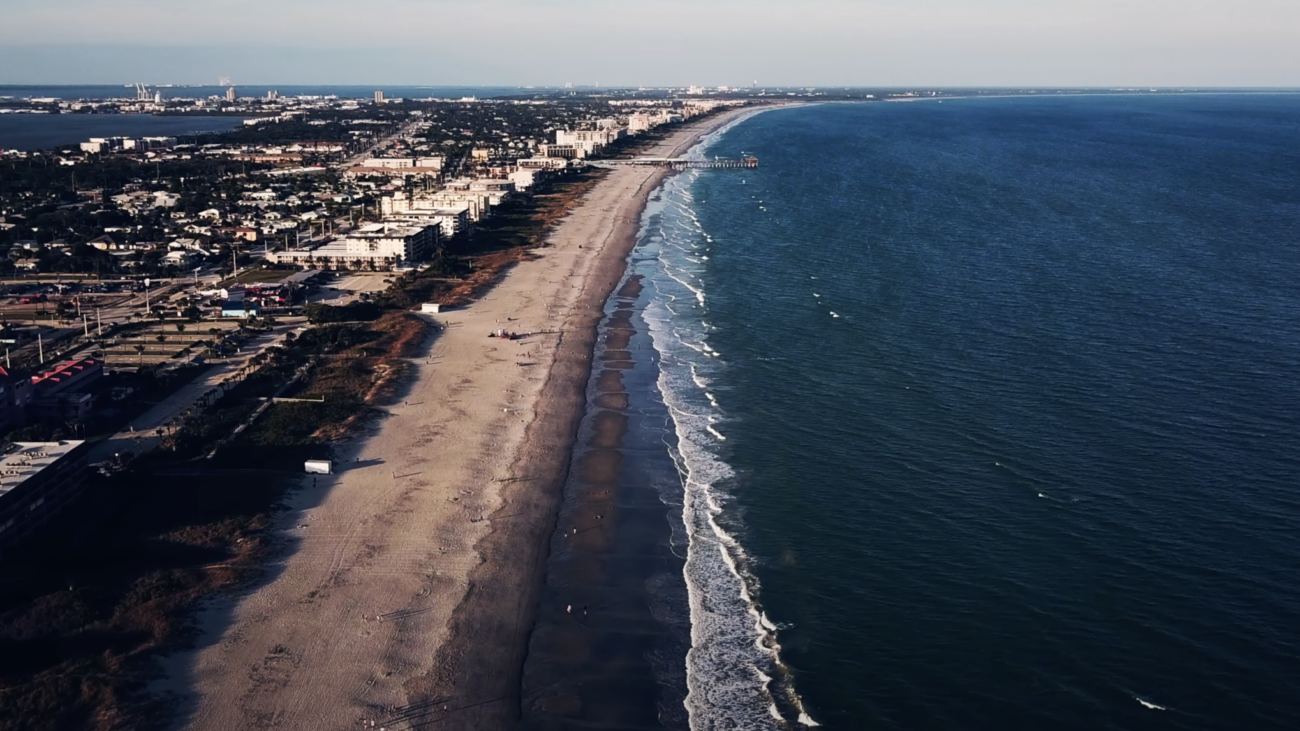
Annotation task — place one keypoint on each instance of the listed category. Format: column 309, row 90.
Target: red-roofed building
column 73, row 375
column 61, row 394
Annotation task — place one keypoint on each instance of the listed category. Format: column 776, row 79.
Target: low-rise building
column 72, row 375
column 16, row 394
column 525, row 178
column 38, row 480
column 242, row 308
column 563, row 152
column 103, row 243
column 61, row 395
column 542, row 163
column 433, row 162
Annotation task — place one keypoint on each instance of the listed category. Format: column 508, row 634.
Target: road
column 369, row 151
column 141, row 436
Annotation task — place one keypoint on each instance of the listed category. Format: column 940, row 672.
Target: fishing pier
column 677, row 163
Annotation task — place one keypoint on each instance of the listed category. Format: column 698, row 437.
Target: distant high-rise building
column 272, row 95
column 379, row 97
column 230, row 94
column 224, row 81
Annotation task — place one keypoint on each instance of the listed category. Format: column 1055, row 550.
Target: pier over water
column 681, row 163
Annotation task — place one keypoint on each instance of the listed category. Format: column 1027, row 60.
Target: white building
column 542, row 163
column 377, row 246
column 451, row 212
column 525, row 178
column 562, row 152
column 589, row 140
column 450, row 221
column 434, row 162
column 639, row 122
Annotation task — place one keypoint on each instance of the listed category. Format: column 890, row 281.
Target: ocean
column 960, row 415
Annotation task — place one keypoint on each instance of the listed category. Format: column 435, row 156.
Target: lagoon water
column 987, row 415
column 45, row 131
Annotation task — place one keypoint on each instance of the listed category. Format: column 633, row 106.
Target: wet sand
column 409, row 581
column 609, row 647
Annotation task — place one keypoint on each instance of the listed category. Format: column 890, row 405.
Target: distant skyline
column 655, row 42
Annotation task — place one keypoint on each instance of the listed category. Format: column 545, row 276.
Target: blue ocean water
column 987, row 414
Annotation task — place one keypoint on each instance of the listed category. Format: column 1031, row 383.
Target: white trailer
column 318, row 466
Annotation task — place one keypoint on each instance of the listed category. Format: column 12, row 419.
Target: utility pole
column 40, row 348
column 85, row 325
column 98, row 324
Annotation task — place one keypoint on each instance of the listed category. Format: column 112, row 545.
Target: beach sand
column 410, row 579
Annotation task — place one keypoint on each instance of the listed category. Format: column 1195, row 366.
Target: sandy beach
column 411, row 578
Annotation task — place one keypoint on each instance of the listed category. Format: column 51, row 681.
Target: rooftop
column 21, row 460
column 385, row 230
column 64, row 370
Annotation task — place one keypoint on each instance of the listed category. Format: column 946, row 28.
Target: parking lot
column 348, row 287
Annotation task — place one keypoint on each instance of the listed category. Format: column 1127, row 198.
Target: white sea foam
column 734, row 655
column 1150, row 705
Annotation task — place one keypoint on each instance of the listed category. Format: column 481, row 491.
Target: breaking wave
column 735, row 677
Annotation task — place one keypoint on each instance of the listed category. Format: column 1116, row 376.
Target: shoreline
column 410, row 580
column 555, row 430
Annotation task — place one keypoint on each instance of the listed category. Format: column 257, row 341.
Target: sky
column 1100, row 43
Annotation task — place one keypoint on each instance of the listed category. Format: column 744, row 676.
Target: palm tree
column 140, row 349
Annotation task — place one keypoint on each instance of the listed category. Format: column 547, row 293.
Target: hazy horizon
column 827, row 43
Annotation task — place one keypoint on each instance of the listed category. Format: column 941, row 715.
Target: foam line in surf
column 735, row 677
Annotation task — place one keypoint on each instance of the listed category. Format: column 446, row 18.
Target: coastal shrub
column 318, row 312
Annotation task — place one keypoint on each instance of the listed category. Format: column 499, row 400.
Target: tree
column 140, row 349
column 180, row 327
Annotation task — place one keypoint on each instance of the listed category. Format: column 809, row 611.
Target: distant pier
column 677, row 163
